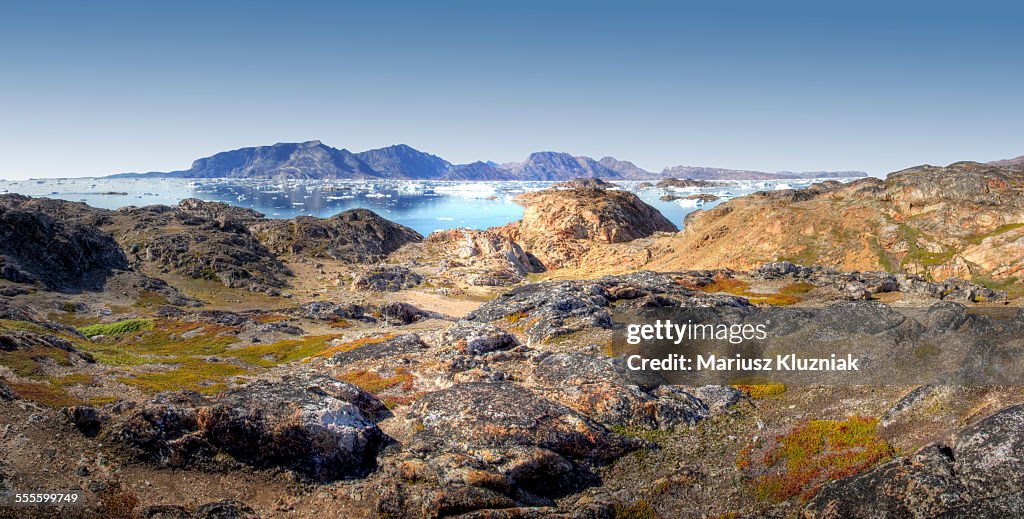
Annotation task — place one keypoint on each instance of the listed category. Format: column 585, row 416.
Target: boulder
column 396, row 346
column 88, row 420
column 601, row 389
column 328, row 311
column 504, row 438
column 313, row 424
column 477, row 338
column 481, row 258
column 355, row 236
column 397, row 313
column 386, row 279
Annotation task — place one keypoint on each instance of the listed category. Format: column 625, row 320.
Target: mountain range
column 315, row 160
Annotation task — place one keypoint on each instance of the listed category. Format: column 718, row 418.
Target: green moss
column 918, row 255
column 118, row 328
column 148, row 298
column 280, row 352
column 373, row 382
column 191, row 374
column 638, row 509
column 1002, row 229
column 1011, row 285
column 651, row 435
column 762, row 390
column 44, row 394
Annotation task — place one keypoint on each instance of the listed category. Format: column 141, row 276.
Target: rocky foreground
column 201, row 360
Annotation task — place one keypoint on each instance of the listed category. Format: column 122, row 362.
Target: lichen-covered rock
column 863, row 285
column 42, row 344
column 5, row 393
column 980, row 474
column 398, row 313
column 958, row 221
column 601, row 389
column 481, row 258
column 164, row 430
column 475, row 338
column 356, row 235
column 556, row 308
column 386, row 279
column 58, row 254
column 506, row 414
column 590, row 214
column 407, row 344
column 313, row 424
column 225, row 509
column 499, row 437
column 200, row 240
column 328, row 311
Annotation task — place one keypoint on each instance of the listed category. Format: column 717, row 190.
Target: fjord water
column 425, row 206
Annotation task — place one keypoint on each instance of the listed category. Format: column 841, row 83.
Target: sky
column 95, row 88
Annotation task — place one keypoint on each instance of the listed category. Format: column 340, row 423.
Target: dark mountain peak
column 404, row 161
column 538, row 156
column 477, row 171
column 556, row 165
column 310, row 159
column 625, row 168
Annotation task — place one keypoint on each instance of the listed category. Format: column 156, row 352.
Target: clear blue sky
column 93, row 88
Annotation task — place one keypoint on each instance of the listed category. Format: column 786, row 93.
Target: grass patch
column 639, row 509
column 773, row 299
column 270, row 318
column 797, row 289
column 515, row 318
column 150, row 299
column 741, row 288
column 765, row 390
column 289, row 350
column 74, row 379
column 1011, row 285
column 729, row 286
column 178, row 338
column 651, row 435
column 118, row 328
column 818, row 451
column 1002, row 229
column 191, row 374
column 29, row 363
column 372, row 382
column 43, row 394
column 920, row 256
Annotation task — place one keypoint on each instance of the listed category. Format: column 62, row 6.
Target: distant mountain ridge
column 316, row 160
column 1019, row 161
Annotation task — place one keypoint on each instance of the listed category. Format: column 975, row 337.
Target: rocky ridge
column 962, row 221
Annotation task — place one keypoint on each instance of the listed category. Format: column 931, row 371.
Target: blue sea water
column 425, row 206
